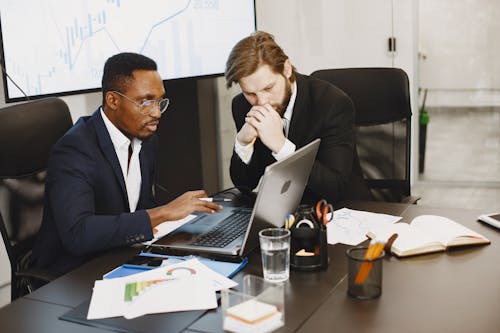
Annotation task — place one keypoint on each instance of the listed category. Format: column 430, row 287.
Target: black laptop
column 233, row 232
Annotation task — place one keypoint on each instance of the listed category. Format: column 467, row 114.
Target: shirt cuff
column 287, row 149
column 244, row 152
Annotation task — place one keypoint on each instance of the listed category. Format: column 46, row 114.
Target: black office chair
column 27, row 133
column 381, row 99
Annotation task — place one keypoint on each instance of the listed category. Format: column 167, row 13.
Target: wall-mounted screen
column 54, row 47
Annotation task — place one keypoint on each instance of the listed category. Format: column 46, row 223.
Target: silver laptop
column 234, row 230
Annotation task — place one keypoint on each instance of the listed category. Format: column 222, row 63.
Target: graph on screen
column 61, row 46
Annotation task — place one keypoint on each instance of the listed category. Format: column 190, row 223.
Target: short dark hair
column 118, row 71
column 253, row 51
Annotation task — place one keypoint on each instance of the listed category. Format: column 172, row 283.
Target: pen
column 216, row 199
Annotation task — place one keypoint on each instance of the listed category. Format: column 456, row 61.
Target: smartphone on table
column 491, row 219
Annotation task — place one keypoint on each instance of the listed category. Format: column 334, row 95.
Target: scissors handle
column 319, row 209
column 328, row 208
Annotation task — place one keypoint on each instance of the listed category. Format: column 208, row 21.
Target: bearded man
column 280, row 111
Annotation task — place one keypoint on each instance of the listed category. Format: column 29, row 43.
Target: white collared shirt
column 131, row 171
column 245, row 152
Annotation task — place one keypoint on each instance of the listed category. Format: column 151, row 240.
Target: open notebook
column 426, row 234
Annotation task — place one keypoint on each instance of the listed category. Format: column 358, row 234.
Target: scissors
column 322, row 210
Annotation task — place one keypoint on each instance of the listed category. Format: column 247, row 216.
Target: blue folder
column 225, row 268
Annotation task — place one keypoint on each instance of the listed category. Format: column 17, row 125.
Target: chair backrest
column 27, row 133
column 381, row 97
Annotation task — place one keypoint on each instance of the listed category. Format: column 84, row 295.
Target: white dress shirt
column 131, row 170
column 245, row 152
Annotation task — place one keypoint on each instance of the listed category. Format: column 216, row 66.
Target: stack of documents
column 187, row 285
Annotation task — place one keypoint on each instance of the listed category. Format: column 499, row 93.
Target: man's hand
column 269, row 126
column 181, row 207
column 246, row 134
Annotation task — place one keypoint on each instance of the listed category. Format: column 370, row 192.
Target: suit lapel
column 108, row 150
column 299, row 121
column 145, row 167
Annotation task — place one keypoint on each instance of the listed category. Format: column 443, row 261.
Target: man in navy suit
column 100, row 173
column 279, row 111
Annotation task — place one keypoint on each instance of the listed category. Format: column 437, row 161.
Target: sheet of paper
column 187, row 293
column 167, row 227
column 350, row 226
column 187, row 285
column 132, row 299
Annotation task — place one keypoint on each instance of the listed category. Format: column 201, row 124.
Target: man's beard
column 281, row 108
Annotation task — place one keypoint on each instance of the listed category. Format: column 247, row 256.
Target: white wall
column 330, row 33
column 460, row 42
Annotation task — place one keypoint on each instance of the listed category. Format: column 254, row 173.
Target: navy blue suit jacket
column 86, row 205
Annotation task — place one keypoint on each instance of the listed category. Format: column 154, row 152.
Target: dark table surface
column 454, row 291
column 458, row 290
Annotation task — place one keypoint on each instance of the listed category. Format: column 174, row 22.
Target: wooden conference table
column 456, row 291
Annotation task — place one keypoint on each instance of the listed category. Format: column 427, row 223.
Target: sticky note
column 252, row 311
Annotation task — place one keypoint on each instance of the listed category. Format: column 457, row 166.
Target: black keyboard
column 226, row 231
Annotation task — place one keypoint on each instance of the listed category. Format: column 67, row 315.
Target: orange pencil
column 373, row 252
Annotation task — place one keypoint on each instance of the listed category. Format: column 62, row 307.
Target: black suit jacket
column 321, row 110
column 86, row 205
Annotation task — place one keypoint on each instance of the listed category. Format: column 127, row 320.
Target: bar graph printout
column 187, row 285
column 60, row 46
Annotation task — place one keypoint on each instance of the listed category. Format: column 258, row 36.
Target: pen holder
column 308, row 245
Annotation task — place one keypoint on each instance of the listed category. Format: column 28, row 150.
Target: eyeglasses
column 147, row 106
